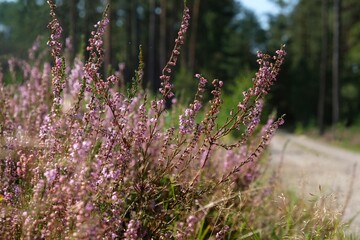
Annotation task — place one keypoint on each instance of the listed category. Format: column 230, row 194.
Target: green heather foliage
column 82, row 158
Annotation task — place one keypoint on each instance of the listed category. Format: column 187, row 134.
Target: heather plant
column 82, row 159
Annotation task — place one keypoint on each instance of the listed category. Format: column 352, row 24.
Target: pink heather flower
column 253, row 118
column 233, row 158
column 46, row 72
column 281, row 53
column 241, row 106
column 50, row 175
column 121, row 67
column 269, row 133
column 202, row 83
column 112, row 79
column 267, row 125
column 35, row 74
column 80, row 148
column 187, row 120
column 68, row 43
column 1, row 76
column 221, row 84
column 205, row 153
column 75, row 77
column 186, row 230
column 141, row 128
column 158, row 105
column 191, row 225
column 131, row 232
column 57, row 76
column 26, row 68
column 45, row 128
column 34, row 48
column 221, row 234
column 259, row 54
column 197, row 106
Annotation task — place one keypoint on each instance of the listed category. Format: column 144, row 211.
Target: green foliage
column 136, row 82
column 25, row 20
column 234, row 92
column 354, row 36
column 185, row 86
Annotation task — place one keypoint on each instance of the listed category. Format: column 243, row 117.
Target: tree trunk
column 192, row 44
column 323, row 67
column 162, row 40
column 90, row 8
column 73, row 21
column 134, row 33
column 107, row 42
column 151, row 46
column 131, row 36
column 336, row 62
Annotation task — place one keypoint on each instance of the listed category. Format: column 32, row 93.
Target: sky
column 261, row 9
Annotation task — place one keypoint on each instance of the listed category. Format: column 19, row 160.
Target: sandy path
column 308, row 163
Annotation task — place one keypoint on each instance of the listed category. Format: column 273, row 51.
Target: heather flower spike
column 96, row 57
column 166, row 85
column 187, row 120
column 58, row 70
column 56, row 31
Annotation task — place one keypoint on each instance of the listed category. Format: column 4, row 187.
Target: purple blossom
column 75, row 77
column 131, row 232
column 187, row 120
column 267, row 125
column 253, row 117
column 34, row 48
column 50, row 175
column 1, row 76
column 221, row 234
column 270, row 131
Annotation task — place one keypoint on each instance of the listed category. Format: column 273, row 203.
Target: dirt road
column 308, row 163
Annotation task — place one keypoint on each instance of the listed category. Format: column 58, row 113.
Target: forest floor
column 305, row 164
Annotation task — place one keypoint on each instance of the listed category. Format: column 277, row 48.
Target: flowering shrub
column 80, row 159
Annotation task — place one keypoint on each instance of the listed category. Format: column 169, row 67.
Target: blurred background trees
column 319, row 84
